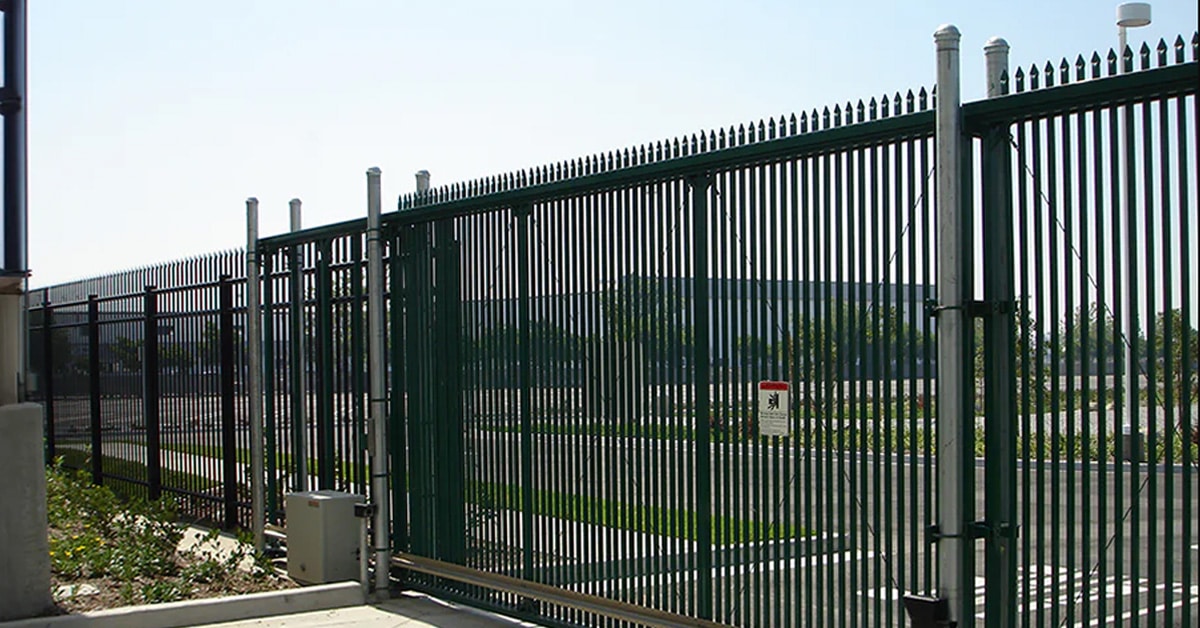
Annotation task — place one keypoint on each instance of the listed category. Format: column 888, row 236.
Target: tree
column 1092, row 336
column 209, row 351
column 174, row 357
column 60, row 346
column 649, row 312
column 1173, row 357
column 127, row 353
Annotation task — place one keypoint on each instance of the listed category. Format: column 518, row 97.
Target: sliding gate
column 698, row 376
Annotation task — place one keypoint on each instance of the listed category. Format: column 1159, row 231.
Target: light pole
column 1129, row 15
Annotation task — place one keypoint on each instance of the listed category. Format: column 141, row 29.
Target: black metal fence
column 141, row 376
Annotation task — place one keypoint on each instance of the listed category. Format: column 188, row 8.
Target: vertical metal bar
column 525, row 384
column 376, row 371
column 1171, row 369
column 448, row 397
column 1187, row 347
column 358, row 384
column 297, row 333
column 228, row 424
column 999, row 377
column 48, row 372
column 94, row 387
column 325, row 370
column 269, row 371
column 254, row 374
column 700, row 185
column 150, row 393
column 397, row 432
column 956, row 577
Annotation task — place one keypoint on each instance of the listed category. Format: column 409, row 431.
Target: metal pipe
column 299, row 355
column 955, row 579
column 1129, row 15
column 254, row 375
column 377, row 386
column 12, row 104
column 13, row 268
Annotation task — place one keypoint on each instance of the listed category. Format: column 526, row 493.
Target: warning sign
column 773, row 409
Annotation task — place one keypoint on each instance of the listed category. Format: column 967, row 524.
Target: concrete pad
column 409, row 609
column 208, row 611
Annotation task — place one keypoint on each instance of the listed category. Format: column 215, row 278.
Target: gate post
column 299, row 363
column 377, row 389
column 1000, row 470
column 254, row 378
column 955, row 429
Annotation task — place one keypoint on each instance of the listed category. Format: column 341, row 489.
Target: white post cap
column 1133, row 14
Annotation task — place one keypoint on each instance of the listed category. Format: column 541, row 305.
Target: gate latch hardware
column 973, row 309
column 973, row 530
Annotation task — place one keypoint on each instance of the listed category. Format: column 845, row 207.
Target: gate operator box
column 322, row 536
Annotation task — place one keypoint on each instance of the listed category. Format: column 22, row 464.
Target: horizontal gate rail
column 1158, row 83
column 602, row 606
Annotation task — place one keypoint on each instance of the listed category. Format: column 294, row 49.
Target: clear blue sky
column 151, row 121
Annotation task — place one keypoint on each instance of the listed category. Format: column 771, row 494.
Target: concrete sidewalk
column 409, row 609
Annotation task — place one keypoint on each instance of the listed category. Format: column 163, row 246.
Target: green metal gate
column 575, row 353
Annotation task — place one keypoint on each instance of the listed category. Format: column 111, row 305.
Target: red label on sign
column 772, row 385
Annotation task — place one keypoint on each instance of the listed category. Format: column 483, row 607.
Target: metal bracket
column 364, row 510
column 973, row 309
column 10, row 101
column 523, row 210
column 974, row 530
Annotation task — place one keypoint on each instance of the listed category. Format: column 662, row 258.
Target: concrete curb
column 208, row 611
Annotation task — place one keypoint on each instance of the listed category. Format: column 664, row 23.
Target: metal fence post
column 376, row 367
column 150, row 394
column 254, row 375
column 299, row 370
column 47, row 384
column 525, row 375
column 700, row 186
column 228, row 425
column 1000, row 389
column 447, row 395
column 94, row 387
column 954, row 422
